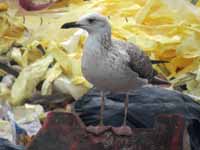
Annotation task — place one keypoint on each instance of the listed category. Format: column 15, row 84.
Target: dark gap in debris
column 1, row 77
column 39, row 85
column 8, row 69
column 17, row 45
column 52, row 64
column 13, row 62
column 51, row 102
column 41, row 49
column 172, row 78
column 126, row 19
column 178, row 69
column 183, row 87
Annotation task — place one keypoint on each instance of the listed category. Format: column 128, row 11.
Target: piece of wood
column 65, row 131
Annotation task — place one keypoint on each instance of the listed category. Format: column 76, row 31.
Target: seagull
column 112, row 65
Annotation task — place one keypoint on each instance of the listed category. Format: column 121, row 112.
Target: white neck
column 101, row 40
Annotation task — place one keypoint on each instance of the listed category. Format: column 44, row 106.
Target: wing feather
column 139, row 62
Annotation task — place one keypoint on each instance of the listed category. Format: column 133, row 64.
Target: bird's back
column 136, row 59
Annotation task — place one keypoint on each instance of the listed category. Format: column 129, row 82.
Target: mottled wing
column 139, row 62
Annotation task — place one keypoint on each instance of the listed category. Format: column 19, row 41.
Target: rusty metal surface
column 65, row 131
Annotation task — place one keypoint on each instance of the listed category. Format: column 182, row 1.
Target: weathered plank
column 65, row 131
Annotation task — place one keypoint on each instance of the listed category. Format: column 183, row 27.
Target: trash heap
column 38, row 59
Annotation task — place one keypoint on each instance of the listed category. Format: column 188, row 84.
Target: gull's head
column 92, row 23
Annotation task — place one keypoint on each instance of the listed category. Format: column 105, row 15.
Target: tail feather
column 158, row 62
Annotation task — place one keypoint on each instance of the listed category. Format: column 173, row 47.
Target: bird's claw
column 122, row 131
column 97, row 130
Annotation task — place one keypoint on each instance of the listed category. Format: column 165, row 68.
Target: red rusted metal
column 65, row 131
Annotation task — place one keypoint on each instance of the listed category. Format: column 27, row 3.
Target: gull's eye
column 91, row 20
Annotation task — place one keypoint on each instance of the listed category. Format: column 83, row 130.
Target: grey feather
column 139, row 62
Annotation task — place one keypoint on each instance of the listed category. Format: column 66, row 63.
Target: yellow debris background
column 165, row 29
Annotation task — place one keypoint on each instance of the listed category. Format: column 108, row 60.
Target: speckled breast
column 108, row 72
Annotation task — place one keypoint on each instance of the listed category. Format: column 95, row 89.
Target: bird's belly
column 109, row 77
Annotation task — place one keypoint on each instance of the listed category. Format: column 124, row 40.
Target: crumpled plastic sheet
column 145, row 104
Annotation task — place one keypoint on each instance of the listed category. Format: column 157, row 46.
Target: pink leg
column 124, row 129
column 100, row 128
column 102, row 108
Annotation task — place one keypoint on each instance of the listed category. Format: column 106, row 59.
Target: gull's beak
column 70, row 25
